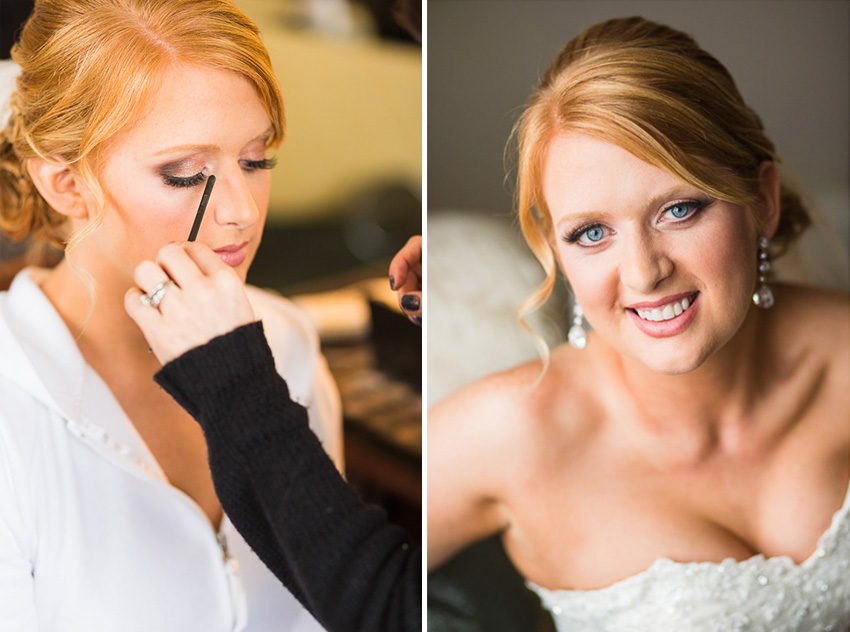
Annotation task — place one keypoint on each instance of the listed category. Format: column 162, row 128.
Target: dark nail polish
column 410, row 302
column 417, row 320
column 392, row 283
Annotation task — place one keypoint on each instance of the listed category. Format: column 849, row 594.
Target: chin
column 673, row 360
column 242, row 273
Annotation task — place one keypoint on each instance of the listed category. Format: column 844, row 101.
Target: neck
column 707, row 409
column 104, row 332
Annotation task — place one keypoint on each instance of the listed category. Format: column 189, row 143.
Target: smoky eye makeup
column 679, row 212
column 171, row 173
column 180, row 182
column 254, row 165
column 593, row 231
column 683, row 211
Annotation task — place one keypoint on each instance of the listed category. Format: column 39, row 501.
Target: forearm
column 340, row 557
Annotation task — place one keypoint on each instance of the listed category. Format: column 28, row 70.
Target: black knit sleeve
column 338, row 556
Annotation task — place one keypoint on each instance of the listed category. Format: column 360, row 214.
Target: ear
column 61, row 186
column 769, row 193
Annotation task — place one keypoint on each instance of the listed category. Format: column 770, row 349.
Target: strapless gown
column 755, row 595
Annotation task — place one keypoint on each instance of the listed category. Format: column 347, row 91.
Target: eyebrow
column 201, row 148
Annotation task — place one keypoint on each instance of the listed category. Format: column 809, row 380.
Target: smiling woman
column 684, row 465
column 109, row 520
column 636, row 238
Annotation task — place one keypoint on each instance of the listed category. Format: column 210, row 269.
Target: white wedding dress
column 756, row 595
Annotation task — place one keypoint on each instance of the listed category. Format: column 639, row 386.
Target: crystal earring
column 763, row 296
column 577, row 336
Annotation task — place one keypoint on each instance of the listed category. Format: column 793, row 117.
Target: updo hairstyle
column 90, row 68
column 654, row 92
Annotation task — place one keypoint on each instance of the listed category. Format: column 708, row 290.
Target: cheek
column 141, row 222
column 727, row 254
column 260, row 188
column 592, row 278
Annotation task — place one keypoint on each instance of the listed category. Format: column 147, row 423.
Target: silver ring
column 154, row 297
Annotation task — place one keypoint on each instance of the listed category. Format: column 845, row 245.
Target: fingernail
column 392, row 283
column 417, row 320
column 410, row 302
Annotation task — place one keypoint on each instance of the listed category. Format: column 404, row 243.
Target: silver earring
column 763, row 296
column 577, row 336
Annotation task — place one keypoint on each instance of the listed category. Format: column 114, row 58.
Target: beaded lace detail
column 755, row 595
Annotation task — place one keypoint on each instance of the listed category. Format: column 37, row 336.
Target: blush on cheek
column 593, row 283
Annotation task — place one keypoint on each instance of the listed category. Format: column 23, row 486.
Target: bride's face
column 202, row 121
column 663, row 272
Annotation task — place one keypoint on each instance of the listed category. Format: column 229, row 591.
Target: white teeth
column 668, row 312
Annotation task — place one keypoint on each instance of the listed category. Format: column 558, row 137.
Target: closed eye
column 191, row 181
column 254, row 165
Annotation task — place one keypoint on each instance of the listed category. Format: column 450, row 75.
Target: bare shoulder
column 487, row 417
column 507, row 417
column 484, row 443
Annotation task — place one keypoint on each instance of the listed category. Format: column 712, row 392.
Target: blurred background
column 348, row 185
column 791, row 62
column 346, row 195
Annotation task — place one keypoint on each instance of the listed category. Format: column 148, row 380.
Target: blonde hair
column 89, row 68
column 652, row 91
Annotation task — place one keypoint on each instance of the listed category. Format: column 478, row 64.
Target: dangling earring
column 577, row 336
column 763, row 296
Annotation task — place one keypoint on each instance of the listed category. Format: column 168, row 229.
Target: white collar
column 47, row 363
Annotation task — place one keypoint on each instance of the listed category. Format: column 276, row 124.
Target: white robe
column 93, row 538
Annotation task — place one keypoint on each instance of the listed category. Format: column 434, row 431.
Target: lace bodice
column 756, row 595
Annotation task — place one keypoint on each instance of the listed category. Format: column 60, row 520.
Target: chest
column 605, row 518
column 96, row 540
column 175, row 440
column 107, row 539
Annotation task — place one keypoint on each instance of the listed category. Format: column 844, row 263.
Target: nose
column 645, row 263
column 232, row 202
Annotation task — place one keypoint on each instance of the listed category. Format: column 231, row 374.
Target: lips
column 234, row 254
column 666, row 317
column 666, row 311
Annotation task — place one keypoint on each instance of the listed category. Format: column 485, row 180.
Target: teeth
column 668, row 312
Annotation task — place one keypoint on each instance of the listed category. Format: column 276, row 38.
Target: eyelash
column 253, row 165
column 191, row 181
column 200, row 177
column 696, row 205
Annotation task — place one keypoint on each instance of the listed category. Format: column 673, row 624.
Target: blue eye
column 679, row 210
column 685, row 210
column 595, row 234
column 587, row 235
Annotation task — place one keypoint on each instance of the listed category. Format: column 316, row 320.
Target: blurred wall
column 790, row 59
column 353, row 109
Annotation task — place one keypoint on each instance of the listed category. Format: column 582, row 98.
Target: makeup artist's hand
column 204, row 299
column 406, row 278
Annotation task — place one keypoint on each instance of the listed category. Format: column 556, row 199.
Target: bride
column 108, row 515
column 685, row 463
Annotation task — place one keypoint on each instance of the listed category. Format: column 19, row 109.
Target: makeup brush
column 199, row 216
